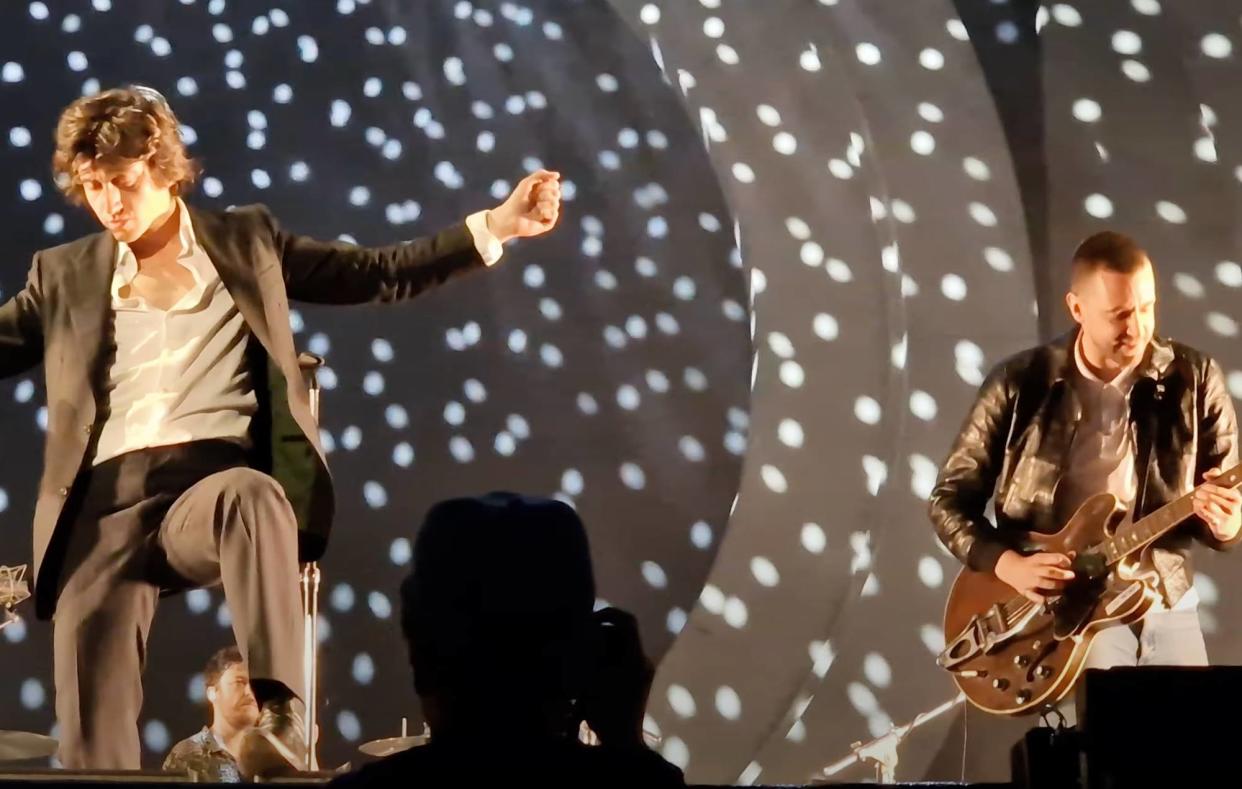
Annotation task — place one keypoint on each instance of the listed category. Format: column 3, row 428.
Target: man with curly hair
column 181, row 451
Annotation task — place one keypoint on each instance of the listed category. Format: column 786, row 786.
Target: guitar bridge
column 984, row 633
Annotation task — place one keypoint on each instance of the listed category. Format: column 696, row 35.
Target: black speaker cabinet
column 1160, row 726
column 1046, row 758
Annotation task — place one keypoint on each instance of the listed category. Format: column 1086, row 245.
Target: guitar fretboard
column 1132, row 537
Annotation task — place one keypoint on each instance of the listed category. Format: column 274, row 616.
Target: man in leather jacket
column 1109, row 407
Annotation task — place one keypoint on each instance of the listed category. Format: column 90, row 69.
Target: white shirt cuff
column 489, row 247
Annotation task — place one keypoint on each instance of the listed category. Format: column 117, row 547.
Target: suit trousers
column 152, row 522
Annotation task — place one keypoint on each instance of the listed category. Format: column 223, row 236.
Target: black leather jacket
column 1016, row 439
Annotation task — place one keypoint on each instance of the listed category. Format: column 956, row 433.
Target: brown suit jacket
column 63, row 318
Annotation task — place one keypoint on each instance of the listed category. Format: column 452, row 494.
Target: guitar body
column 1010, row 656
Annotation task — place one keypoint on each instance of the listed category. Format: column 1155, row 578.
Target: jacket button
column 63, row 491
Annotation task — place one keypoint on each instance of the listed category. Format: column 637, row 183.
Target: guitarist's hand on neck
column 1219, row 507
column 1034, row 576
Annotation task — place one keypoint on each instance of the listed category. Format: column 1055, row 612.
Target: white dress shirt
column 180, row 374
column 1102, row 455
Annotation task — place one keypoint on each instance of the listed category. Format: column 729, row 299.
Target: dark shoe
column 276, row 745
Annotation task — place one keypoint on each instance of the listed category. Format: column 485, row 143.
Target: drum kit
column 21, row 746
column 391, row 745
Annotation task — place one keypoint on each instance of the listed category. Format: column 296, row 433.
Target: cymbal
column 391, row 745
column 16, row 746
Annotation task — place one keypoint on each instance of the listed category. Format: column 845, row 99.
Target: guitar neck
column 1133, row 537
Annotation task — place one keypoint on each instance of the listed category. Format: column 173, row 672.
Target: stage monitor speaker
column 1159, row 726
column 1046, row 758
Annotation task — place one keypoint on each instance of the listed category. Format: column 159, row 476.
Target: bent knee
column 247, row 484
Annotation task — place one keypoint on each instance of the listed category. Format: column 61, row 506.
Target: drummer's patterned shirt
column 204, row 758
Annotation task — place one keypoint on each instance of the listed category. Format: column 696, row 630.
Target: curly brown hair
column 130, row 123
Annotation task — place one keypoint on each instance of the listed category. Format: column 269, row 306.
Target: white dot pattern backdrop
column 794, row 240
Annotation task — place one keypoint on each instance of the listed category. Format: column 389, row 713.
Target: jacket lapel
column 1061, row 409
column 89, row 289
column 1145, row 406
column 213, row 233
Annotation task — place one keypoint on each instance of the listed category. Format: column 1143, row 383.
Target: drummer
column 211, row 754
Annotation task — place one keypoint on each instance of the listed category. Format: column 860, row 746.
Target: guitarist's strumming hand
column 1219, row 507
column 1034, row 576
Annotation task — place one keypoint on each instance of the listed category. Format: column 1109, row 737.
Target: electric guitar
column 1012, row 656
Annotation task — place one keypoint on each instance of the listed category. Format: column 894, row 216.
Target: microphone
column 13, row 590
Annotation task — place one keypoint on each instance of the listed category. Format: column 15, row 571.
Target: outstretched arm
column 339, row 273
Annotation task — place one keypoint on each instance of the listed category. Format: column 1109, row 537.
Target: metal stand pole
column 882, row 751
column 310, row 657
column 309, row 364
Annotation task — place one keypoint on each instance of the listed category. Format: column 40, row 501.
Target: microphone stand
column 882, row 751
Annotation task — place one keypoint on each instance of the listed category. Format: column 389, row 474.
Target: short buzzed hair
column 1108, row 251
column 219, row 663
